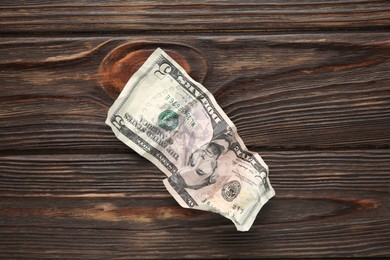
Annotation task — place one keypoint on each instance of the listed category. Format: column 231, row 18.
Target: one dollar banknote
column 175, row 122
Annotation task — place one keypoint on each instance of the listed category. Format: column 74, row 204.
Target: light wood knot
column 122, row 62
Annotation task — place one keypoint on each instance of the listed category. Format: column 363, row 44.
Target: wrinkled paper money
column 174, row 122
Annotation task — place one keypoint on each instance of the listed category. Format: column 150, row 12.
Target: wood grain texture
column 327, row 203
column 307, row 84
column 131, row 176
column 298, row 91
column 140, row 16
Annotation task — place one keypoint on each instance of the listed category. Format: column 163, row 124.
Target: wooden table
column 305, row 82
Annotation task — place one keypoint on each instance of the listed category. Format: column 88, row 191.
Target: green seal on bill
column 168, row 120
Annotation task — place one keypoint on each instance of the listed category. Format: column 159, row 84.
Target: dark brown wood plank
column 295, row 91
column 342, row 228
column 136, row 16
column 131, row 176
column 327, row 204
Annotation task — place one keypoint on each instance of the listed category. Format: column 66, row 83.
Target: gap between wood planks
column 126, row 33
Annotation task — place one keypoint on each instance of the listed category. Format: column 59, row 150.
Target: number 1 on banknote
column 175, row 122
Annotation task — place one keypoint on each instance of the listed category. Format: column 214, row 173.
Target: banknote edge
column 249, row 220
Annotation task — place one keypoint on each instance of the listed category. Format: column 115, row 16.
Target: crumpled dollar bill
column 175, row 122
